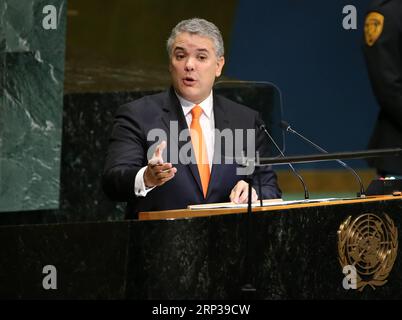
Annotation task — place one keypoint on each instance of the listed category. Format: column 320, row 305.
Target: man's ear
column 219, row 66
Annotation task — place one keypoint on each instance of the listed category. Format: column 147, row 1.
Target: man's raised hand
column 158, row 172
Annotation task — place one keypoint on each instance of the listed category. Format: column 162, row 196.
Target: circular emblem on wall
column 369, row 244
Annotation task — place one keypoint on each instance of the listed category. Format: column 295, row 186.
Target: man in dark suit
column 188, row 163
column 383, row 53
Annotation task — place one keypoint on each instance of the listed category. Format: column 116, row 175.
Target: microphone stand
column 287, row 128
column 248, row 290
column 259, row 184
column 306, row 194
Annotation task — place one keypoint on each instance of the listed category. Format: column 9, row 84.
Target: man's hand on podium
column 239, row 193
column 158, row 172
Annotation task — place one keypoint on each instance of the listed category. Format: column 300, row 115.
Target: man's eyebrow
column 203, row 50
column 183, row 49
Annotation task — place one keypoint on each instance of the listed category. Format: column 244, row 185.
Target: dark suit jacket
column 384, row 64
column 127, row 154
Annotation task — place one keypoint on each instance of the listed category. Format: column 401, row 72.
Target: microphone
column 286, row 126
column 261, row 126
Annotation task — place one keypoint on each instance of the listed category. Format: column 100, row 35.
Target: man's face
column 194, row 66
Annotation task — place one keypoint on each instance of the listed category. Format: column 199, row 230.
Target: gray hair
column 200, row 27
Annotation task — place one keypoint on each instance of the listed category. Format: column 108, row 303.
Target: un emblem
column 369, row 245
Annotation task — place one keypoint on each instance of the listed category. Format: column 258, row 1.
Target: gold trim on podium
column 187, row 213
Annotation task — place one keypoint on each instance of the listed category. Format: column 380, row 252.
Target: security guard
column 383, row 53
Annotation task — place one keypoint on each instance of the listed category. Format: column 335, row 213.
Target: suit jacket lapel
column 173, row 112
column 221, row 123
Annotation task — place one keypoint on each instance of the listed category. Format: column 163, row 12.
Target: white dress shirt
column 207, row 123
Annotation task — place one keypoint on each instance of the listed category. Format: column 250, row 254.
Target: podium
column 286, row 252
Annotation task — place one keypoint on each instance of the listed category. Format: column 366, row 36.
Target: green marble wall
column 31, row 102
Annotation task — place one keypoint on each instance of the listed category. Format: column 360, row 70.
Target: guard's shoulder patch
column 373, row 27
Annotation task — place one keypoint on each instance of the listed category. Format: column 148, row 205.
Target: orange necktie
column 200, row 148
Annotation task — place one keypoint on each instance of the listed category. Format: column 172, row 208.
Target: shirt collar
column 205, row 105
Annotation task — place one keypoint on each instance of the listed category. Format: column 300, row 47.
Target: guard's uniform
column 383, row 53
